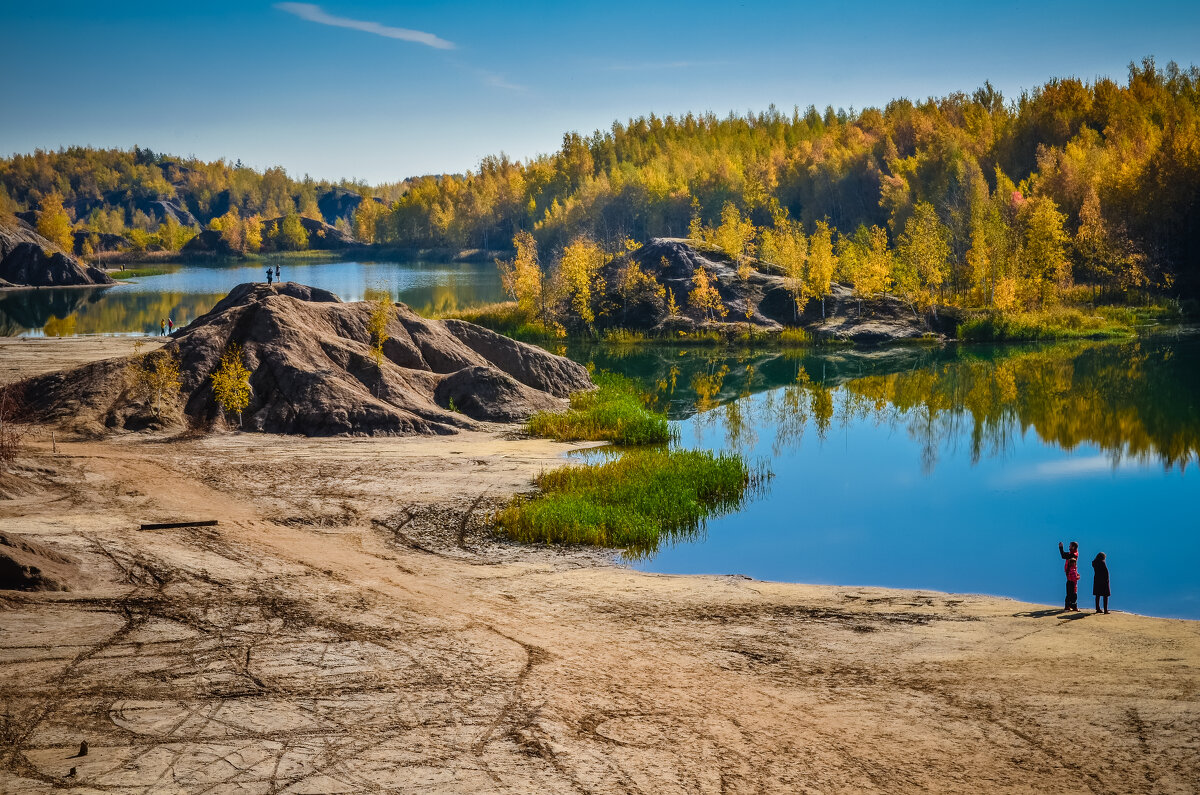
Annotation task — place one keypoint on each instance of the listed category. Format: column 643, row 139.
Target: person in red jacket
column 1071, row 567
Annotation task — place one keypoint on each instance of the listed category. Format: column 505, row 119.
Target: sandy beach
column 350, row 626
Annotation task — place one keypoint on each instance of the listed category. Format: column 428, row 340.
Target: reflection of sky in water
column 349, row 280
column 862, row 505
column 955, row 468
column 189, row 291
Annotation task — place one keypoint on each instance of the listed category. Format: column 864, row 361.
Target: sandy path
column 344, row 629
column 24, row 357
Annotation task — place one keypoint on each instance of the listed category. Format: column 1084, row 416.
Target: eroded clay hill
column 29, row 260
column 312, row 373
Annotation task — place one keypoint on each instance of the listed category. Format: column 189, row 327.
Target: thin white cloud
column 498, row 81
column 1081, row 467
column 314, row 13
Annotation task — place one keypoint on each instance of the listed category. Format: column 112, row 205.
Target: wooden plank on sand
column 174, row 525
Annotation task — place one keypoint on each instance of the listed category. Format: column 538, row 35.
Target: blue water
column 955, row 469
column 190, row 290
column 857, row 508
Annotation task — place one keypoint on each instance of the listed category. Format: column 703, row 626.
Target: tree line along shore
column 1012, row 201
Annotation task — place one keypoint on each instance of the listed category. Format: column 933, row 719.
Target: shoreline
column 350, row 624
column 354, row 575
column 26, row 356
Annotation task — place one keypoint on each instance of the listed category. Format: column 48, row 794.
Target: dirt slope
column 348, row 627
column 312, row 372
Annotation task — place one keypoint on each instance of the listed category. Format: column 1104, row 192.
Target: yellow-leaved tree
column 786, row 248
column 821, row 263
column 157, row 374
column 735, row 238
column 704, row 297
column 580, row 277
column 252, row 234
column 53, row 223
column 923, row 256
column 522, row 275
column 865, row 262
column 231, row 382
column 381, row 313
column 366, row 218
column 1045, row 269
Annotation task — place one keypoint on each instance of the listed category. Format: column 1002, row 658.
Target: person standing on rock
column 162, row 327
column 170, row 326
column 277, row 273
column 268, row 274
column 1071, row 567
column 1100, row 587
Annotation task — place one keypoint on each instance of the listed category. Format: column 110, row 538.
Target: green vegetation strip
column 634, row 502
column 1058, row 324
column 615, row 412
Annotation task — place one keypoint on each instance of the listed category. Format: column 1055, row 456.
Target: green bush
column 614, row 412
column 634, row 502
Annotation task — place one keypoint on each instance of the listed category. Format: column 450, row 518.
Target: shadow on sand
column 1048, row 613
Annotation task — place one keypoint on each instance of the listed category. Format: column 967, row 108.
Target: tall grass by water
column 1050, row 324
column 634, row 502
column 615, row 412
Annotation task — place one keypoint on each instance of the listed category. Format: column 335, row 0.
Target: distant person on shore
column 162, row 327
column 170, row 326
column 1100, row 581
column 1071, row 567
column 277, row 273
column 268, row 274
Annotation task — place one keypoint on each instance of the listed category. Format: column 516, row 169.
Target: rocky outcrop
column 312, row 372
column 322, row 236
column 162, row 209
column 29, row 260
column 340, row 203
column 208, row 242
column 761, row 299
column 101, row 242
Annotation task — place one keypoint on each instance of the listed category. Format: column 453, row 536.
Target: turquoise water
column 189, row 291
column 954, row 469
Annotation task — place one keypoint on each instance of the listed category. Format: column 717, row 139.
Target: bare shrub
column 13, row 425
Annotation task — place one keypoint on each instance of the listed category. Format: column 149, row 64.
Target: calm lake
column 953, row 468
column 189, row 291
column 950, row 468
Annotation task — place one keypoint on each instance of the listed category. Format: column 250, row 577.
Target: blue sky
column 381, row 91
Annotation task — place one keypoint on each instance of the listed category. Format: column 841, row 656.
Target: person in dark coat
column 1071, row 569
column 1100, row 581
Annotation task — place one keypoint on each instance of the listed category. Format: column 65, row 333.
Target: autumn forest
column 973, row 199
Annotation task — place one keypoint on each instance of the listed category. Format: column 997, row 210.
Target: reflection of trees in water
column 27, row 310
column 62, row 312
column 1133, row 399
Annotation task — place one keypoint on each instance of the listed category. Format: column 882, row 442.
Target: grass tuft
column 615, row 412
column 634, row 503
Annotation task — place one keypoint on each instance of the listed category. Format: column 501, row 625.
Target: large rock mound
column 29, row 260
column 338, row 203
column 761, row 299
column 312, row 372
column 321, row 236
